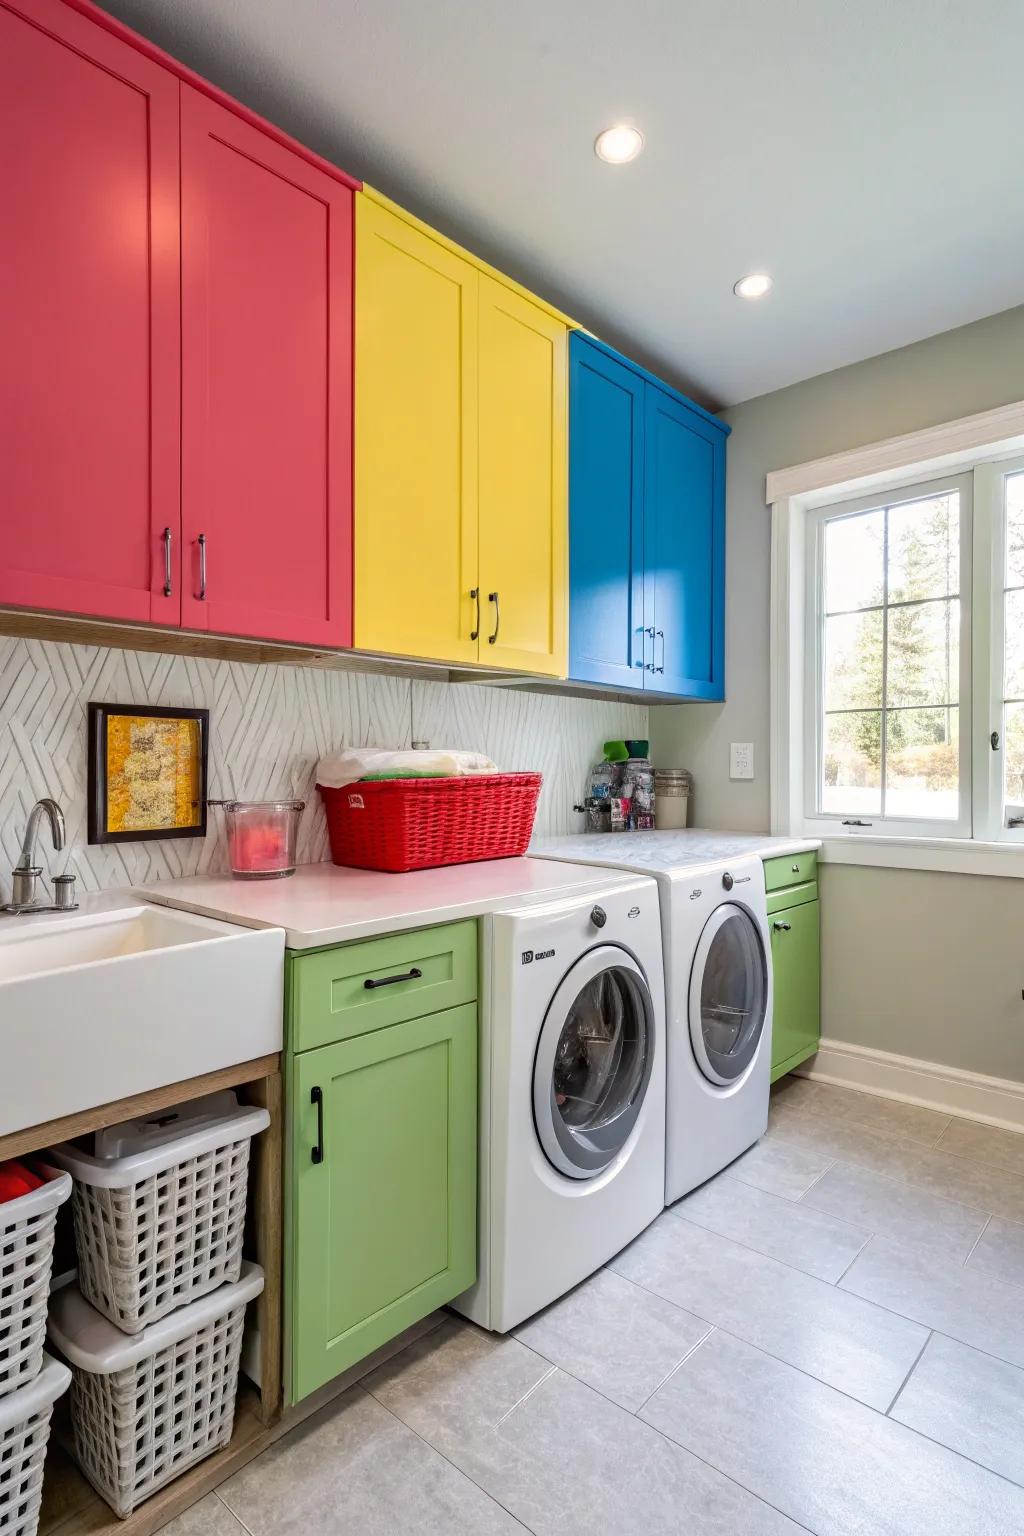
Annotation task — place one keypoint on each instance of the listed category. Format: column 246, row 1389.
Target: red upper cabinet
column 89, row 319
column 266, row 313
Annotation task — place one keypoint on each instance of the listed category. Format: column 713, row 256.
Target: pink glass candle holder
column 262, row 836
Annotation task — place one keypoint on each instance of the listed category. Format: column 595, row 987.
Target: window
column 912, row 703
column 889, row 720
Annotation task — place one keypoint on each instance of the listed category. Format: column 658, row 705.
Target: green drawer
column 790, row 869
column 336, row 994
column 792, row 896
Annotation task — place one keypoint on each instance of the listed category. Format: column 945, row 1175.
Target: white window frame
column 824, row 823
column 990, row 545
column 988, row 447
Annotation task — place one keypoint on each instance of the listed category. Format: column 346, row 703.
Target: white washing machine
column 572, row 1101
column 718, row 987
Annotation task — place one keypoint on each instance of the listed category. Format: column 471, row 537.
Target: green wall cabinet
column 383, row 1175
column 795, row 926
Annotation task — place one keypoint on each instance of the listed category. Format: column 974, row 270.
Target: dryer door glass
column 728, row 994
column 593, row 1063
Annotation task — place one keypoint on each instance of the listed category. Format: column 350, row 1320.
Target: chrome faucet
column 27, row 874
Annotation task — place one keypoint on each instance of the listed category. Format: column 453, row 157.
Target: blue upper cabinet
column 606, row 490
column 646, row 531
column 684, row 548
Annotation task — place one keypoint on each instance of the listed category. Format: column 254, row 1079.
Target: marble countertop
column 327, row 904
column 666, row 852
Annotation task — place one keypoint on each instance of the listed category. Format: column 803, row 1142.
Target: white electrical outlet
column 741, row 760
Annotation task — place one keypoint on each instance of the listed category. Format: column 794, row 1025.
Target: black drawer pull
column 316, row 1096
column 389, row 981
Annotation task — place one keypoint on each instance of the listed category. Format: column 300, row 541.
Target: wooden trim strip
column 37, row 1137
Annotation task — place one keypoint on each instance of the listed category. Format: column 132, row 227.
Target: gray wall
column 971, row 369
column 925, row 965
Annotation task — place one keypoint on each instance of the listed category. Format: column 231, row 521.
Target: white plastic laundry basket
column 24, row 1431
column 160, row 1207
column 26, row 1258
column 145, row 1409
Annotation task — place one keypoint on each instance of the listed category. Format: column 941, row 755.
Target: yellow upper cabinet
column 415, row 441
column 522, row 478
column 460, row 455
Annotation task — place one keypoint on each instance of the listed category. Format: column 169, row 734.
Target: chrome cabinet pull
column 650, row 630
column 492, row 597
column 201, row 594
column 782, row 927
column 475, row 594
column 168, row 587
column 660, row 634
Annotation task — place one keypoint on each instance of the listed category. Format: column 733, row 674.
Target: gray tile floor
column 829, row 1337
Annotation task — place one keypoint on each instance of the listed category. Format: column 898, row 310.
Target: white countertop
column 663, row 852
column 327, row 904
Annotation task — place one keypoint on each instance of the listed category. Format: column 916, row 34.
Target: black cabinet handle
column 475, row 594
column 389, row 981
column 492, row 597
column 316, row 1096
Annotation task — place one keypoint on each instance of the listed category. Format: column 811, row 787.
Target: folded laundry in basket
column 353, row 763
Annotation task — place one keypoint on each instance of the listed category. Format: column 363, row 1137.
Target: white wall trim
column 935, row 447
column 786, row 668
column 954, row 856
column 950, row 1090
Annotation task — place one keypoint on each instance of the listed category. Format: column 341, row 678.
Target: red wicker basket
column 402, row 824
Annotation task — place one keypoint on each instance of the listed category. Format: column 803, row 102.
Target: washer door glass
column 593, row 1063
column 728, row 994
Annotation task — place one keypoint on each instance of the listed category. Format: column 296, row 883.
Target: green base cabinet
column 794, row 920
column 382, row 1191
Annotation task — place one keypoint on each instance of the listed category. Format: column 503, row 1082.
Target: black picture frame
column 99, row 720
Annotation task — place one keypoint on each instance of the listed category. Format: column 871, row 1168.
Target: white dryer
column 718, row 986
column 572, row 1101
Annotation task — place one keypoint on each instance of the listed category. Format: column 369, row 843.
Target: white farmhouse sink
column 111, row 1001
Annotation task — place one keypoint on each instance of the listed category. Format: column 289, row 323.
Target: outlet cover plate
column 741, row 760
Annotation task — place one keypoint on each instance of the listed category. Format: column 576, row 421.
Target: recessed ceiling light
column 619, row 145
column 754, row 286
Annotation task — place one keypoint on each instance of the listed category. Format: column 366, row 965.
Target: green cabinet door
column 382, row 1216
column 796, row 962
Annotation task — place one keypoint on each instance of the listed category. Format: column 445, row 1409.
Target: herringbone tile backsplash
column 268, row 727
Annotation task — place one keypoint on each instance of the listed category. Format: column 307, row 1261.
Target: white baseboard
column 951, row 1090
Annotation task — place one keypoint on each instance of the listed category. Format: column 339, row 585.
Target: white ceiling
column 867, row 153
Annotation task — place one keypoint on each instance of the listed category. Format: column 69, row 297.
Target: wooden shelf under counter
column 70, row 1505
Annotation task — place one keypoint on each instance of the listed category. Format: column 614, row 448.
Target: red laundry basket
column 402, row 824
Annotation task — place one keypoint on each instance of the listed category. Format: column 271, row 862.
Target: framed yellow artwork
column 147, row 772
